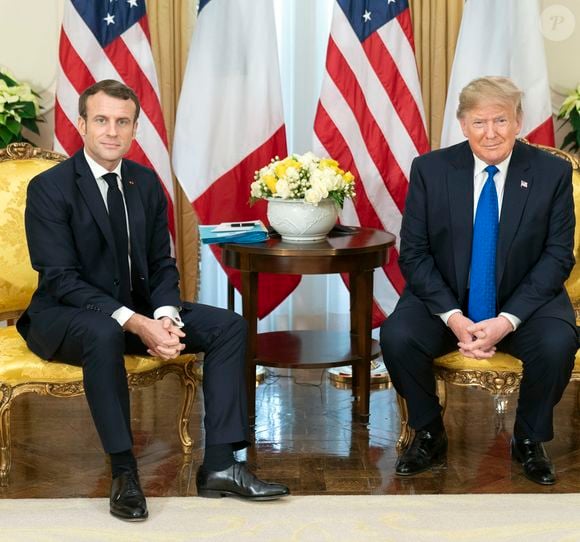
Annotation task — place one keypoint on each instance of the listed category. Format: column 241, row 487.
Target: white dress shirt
column 124, row 313
column 479, row 179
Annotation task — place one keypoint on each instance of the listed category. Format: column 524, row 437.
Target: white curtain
column 319, row 302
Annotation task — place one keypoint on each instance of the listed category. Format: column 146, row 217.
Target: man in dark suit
column 97, row 233
column 486, row 246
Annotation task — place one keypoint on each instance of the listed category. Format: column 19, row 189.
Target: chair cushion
column 17, row 278
column 18, row 365
column 499, row 362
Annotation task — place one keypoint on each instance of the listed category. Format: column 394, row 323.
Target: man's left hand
column 486, row 334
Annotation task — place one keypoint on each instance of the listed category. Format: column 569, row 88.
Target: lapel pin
column 133, row 182
column 523, row 184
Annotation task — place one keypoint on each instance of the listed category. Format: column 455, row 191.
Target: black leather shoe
column 426, row 451
column 127, row 498
column 538, row 467
column 237, row 481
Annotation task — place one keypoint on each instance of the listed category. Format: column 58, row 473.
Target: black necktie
column 118, row 220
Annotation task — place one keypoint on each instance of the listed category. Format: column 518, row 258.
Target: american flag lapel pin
column 133, row 182
column 523, row 184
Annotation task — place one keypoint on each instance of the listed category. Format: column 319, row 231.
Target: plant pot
column 300, row 222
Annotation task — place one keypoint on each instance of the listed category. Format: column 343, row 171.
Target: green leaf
column 30, row 124
column 9, row 81
column 13, row 126
column 27, row 110
column 569, row 141
column 6, row 136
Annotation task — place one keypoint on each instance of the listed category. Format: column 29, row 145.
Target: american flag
column 370, row 119
column 230, row 121
column 109, row 39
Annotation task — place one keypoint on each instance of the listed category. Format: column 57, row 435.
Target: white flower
column 282, row 189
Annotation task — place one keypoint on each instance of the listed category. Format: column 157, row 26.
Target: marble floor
column 304, row 437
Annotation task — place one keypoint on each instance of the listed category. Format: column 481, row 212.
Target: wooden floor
column 304, row 435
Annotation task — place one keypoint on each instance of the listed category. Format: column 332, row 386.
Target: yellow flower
column 270, row 181
column 329, row 162
column 348, row 177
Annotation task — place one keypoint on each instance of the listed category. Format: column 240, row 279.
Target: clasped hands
column 161, row 337
column 478, row 340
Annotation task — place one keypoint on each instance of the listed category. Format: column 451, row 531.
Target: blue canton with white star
column 108, row 19
column 366, row 16
column 202, row 3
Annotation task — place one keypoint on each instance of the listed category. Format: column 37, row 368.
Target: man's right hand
column 458, row 323
column 161, row 337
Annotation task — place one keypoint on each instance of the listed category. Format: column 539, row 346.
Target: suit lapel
column 460, row 189
column 518, row 185
column 93, row 198
column 136, row 217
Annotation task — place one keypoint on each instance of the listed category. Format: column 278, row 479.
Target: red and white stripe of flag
column 370, row 118
column 83, row 62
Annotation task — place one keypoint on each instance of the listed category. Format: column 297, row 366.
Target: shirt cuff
column 446, row 315
column 513, row 320
column 170, row 312
column 122, row 315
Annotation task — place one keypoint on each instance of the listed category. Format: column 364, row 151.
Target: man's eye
column 123, row 122
column 478, row 124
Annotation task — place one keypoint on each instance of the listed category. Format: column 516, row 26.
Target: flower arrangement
column 19, row 108
column 570, row 112
column 303, row 177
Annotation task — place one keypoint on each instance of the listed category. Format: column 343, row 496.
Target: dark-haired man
column 97, row 232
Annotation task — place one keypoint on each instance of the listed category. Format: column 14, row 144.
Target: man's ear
column 135, row 126
column 82, row 126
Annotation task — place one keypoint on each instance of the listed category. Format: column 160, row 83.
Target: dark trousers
column 411, row 338
column 97, row 343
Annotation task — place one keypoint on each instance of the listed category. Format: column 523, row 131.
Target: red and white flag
column 230, row 121
column 502, row 38
column 110, row 40
column 370, row 119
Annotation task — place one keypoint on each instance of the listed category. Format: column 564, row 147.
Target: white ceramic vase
column 300, row 222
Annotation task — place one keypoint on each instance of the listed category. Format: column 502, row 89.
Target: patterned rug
column 417, row 518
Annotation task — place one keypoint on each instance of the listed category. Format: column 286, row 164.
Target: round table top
column 360, row 241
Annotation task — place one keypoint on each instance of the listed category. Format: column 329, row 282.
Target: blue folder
column 256, row 234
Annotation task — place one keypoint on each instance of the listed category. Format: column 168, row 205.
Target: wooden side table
column 358, row 255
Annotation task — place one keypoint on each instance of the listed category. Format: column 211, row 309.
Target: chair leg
column 405, row 434
column 189, row 389
column 500, row 402
column 5, row 452
column 442, row 394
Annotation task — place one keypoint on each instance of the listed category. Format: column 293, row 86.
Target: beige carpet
column 416, row 518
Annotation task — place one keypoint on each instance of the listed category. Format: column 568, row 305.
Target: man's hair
column 490, row 89
column 112, row 88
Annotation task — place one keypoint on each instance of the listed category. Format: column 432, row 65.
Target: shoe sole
column 214, row 494
column 130, row 520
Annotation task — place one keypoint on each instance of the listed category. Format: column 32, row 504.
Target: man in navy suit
column 97, row 233
column 527, row 312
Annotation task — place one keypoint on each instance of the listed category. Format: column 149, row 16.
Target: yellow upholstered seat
column 500, row 375
column 21, row 371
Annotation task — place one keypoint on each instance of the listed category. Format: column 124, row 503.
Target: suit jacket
column 71, row 246
column 535, row 240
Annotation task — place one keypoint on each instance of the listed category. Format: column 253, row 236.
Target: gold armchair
column 500, row 375
column 20, row 370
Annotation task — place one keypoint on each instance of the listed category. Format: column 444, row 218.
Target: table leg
column 361, row 286
column 250, row 312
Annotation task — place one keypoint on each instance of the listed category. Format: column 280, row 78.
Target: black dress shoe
column 127, row 499
column 237, row 481
column 426, row 451
column 538, row 467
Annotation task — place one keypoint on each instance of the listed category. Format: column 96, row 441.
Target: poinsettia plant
column 570, row 113
column 19, row 107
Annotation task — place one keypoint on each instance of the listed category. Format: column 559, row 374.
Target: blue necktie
column 483, row 248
